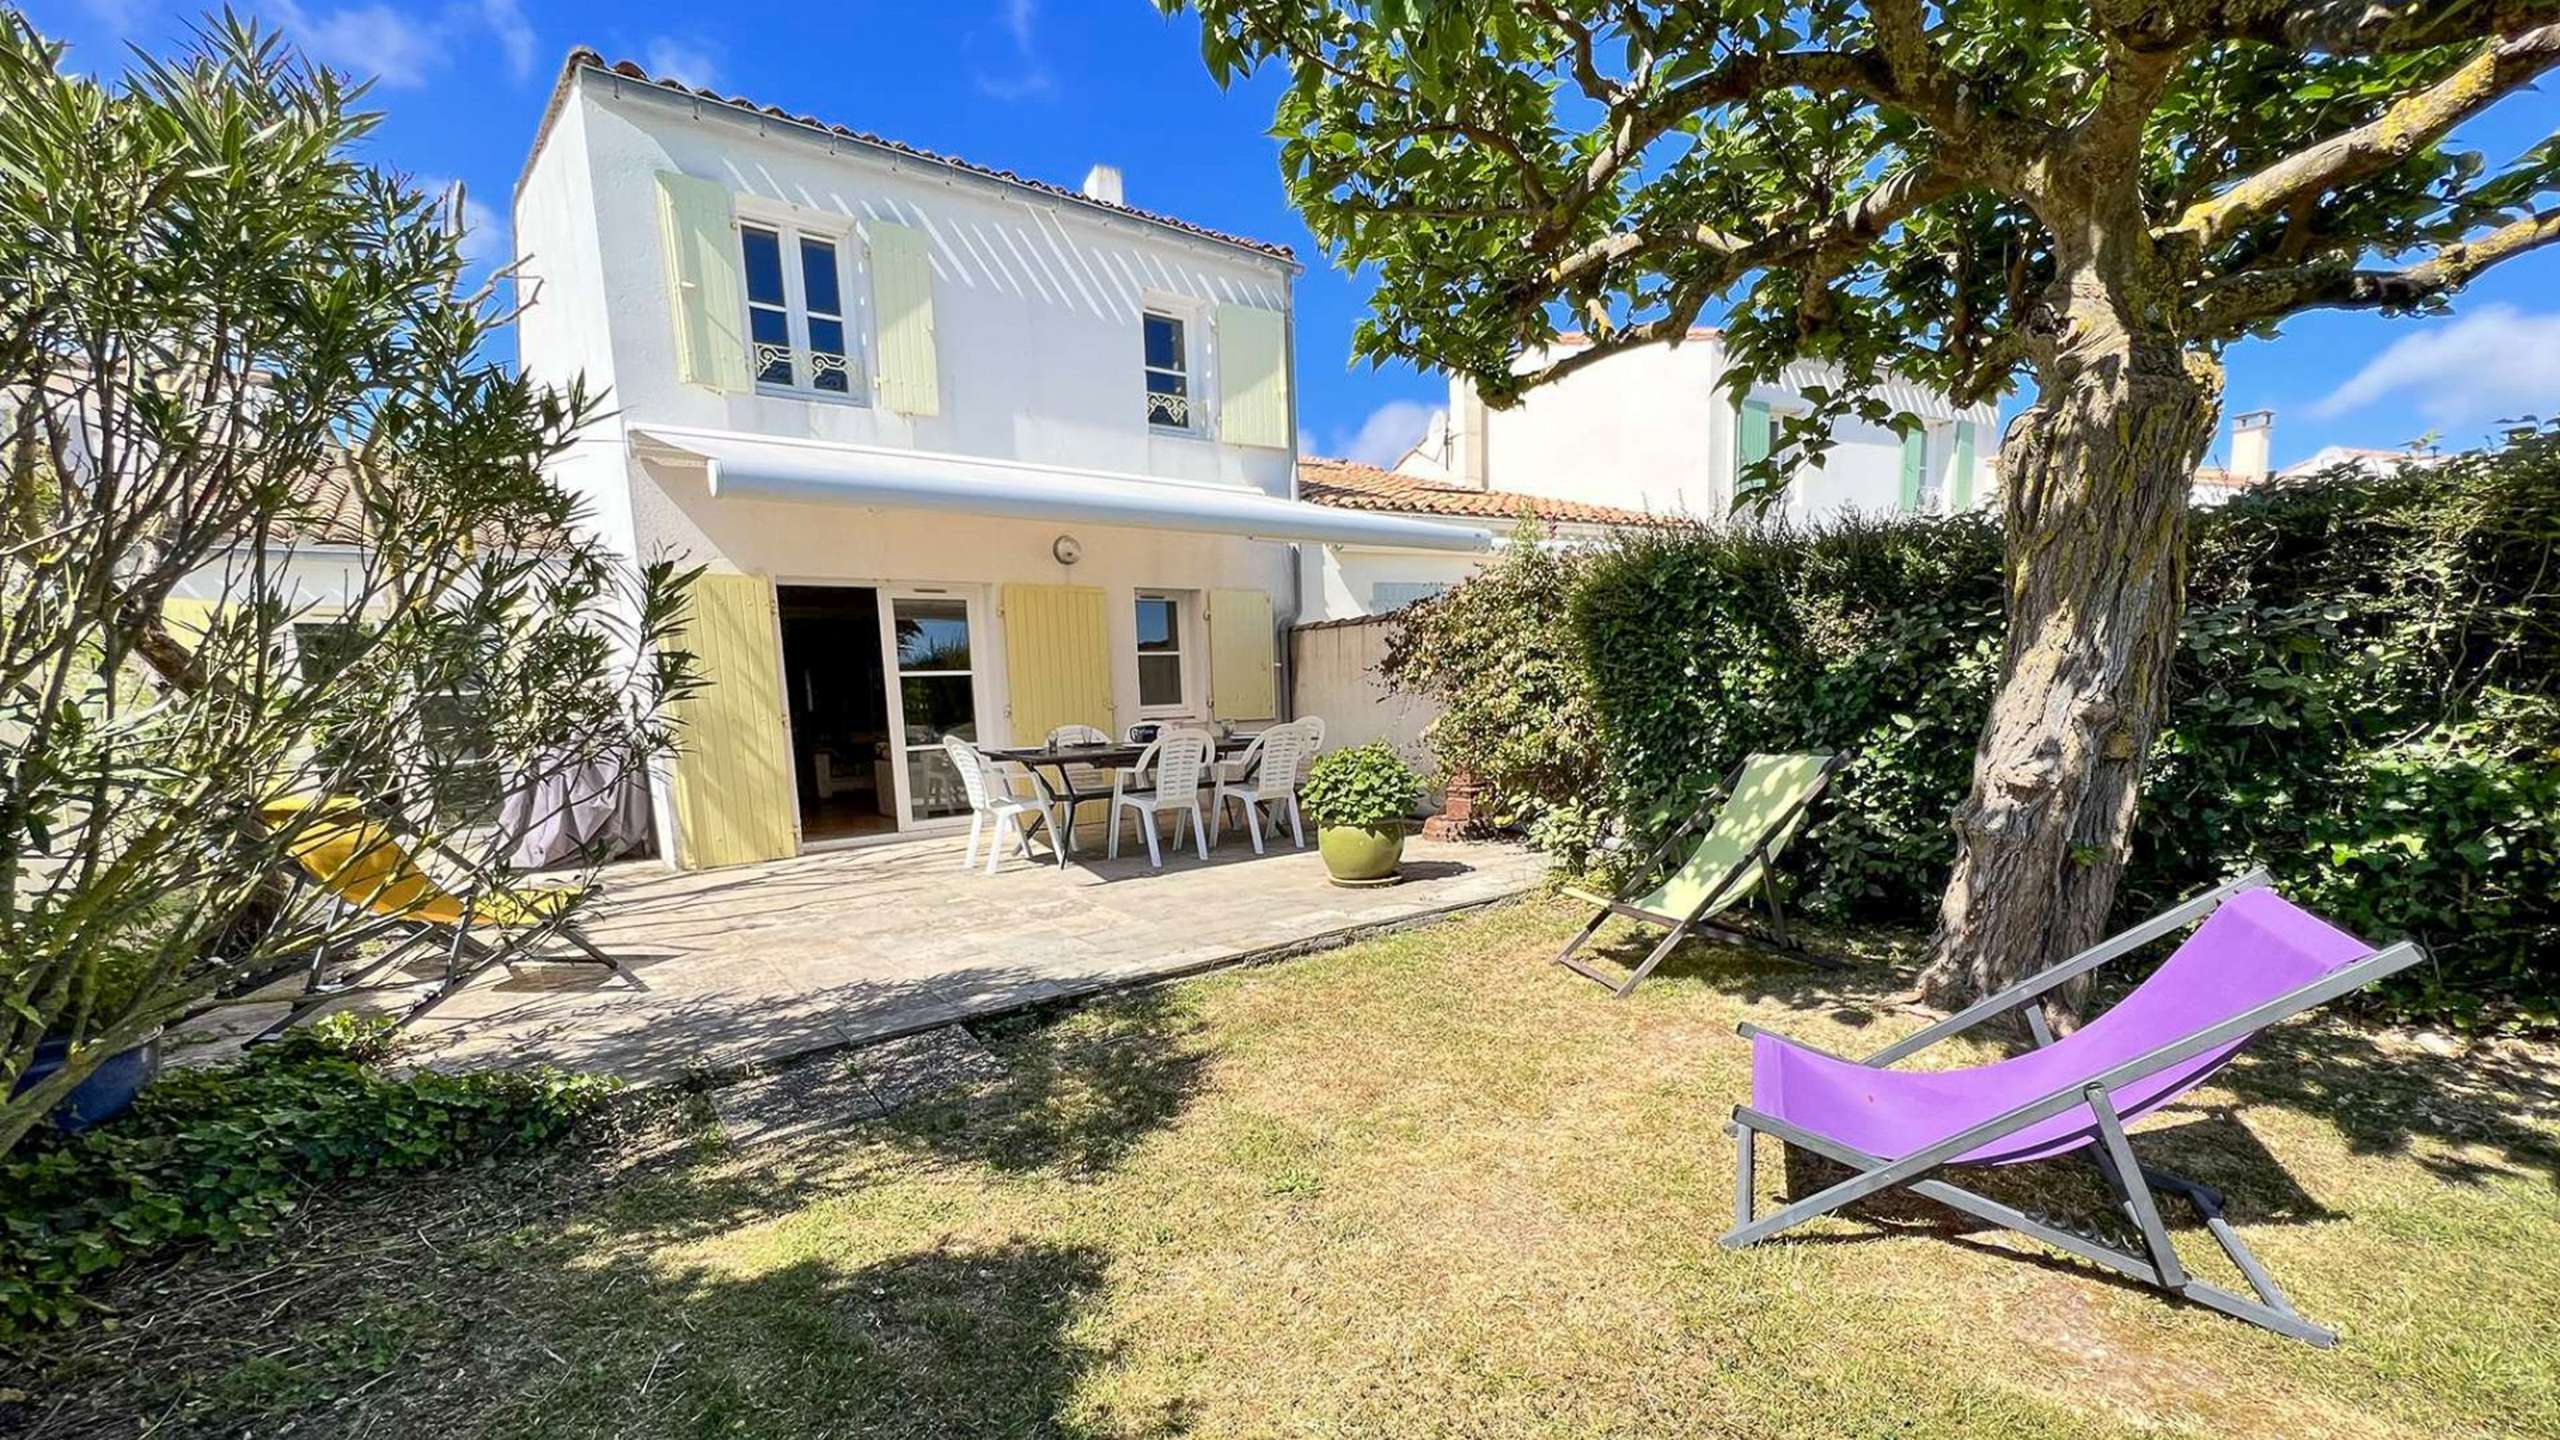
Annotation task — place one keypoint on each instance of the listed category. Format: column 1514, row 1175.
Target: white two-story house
column 965, row 454
column 1651, row 431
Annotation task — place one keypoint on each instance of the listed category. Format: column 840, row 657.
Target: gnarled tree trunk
column 2094, row 482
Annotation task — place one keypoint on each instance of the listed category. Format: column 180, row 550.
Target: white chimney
column 2252, row 434
column 1102, row 183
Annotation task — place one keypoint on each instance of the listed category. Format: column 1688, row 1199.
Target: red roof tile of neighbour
column 1349, row 485
column 590, row 59
column 1578, row 338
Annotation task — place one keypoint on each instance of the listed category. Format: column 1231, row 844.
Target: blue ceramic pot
column 109, row 1090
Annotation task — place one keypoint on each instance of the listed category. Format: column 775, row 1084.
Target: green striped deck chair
column 1746, row 821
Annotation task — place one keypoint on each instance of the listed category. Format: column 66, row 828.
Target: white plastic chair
column 1166, row 778
column 1084, row 782
column 991, row 797
column 1311, row 726
column 1272, row 765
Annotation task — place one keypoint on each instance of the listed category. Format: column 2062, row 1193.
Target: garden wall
column 1333, row 672
column 2367, row 702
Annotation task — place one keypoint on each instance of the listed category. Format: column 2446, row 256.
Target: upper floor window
column 796, row 329
column 1168, row 372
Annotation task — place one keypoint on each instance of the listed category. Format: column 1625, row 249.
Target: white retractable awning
column 758, row 467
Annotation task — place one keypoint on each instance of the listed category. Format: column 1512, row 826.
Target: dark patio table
column 1118, row 756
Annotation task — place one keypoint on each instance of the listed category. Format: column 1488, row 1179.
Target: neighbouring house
column 966, row 454
column 1349, row 581
column 2251, row 454
column 1654, row 430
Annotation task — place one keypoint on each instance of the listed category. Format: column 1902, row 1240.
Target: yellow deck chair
column 1746, row 821
column 362, row 866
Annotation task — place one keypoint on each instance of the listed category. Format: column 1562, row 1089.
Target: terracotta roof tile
column 1349, row 485
column 590, row 59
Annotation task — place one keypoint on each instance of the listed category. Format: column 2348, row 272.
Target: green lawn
column 1427, row 1185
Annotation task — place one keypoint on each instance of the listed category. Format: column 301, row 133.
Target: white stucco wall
column 1334, row 671
column 1338, row 582
column 1652, row 429
column 1634, row 432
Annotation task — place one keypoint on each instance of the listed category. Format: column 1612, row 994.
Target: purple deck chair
column 2255, row 960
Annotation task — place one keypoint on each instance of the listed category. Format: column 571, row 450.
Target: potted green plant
column 1361, row 799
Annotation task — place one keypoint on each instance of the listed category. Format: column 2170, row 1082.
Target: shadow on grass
column 947, row 1341
column 2212, row 1147
column 2386, row 1099
column 1080, row 1087
column 1073, row 1089
column 1858, row 989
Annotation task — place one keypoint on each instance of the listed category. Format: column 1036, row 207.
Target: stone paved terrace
column 763, row 962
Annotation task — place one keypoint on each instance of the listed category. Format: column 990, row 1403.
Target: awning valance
column 818, row 472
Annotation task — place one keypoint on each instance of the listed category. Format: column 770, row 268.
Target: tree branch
column 2230, row 305
column 1821, row 248
column 2416, row 121
column 2373, row 27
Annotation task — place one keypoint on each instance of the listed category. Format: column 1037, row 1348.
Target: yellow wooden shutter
column 735, row 803
column 188, row 621
column 1057, row 660
column 1253, row 376
column 1241, row 683
column 706, row 284
column 902, row 287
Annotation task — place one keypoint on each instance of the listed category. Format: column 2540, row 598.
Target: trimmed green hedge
column 217, row 1156
column 2367, row 702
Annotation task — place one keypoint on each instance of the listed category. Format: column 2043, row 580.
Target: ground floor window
column 1387, row 595
column 1163, row 684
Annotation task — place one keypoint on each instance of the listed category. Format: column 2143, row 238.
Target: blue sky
column 1048, row 87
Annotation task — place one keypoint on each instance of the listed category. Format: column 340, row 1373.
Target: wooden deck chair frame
column 1680, row 927
column 2152, row 1259
column 466, row 956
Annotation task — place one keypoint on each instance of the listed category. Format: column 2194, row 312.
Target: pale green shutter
column 734, row 798
column 902, row 286
column 1915, row 460
column 706, row 284
column 1253, row 376
column 1241, row 683
column 1960, row 484
column 1057, row 660
column 1752, row 440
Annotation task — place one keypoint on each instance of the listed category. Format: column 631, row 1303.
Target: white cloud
column 514, row 35
column 1025, row 73
column 121, row 17
column 400, row 50
column 2492, row 364
column 405, row 50
column 1382, row 439
column 689, row 62
column 485, row 240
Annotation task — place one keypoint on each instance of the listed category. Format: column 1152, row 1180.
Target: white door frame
column 973, row 597
column 887, row 593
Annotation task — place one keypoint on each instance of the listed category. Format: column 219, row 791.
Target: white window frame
column 788, row 233
column 1185, row 603
column 1195, row 404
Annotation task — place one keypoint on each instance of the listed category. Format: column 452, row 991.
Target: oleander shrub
column 2366, row 701
column 218, row 1156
